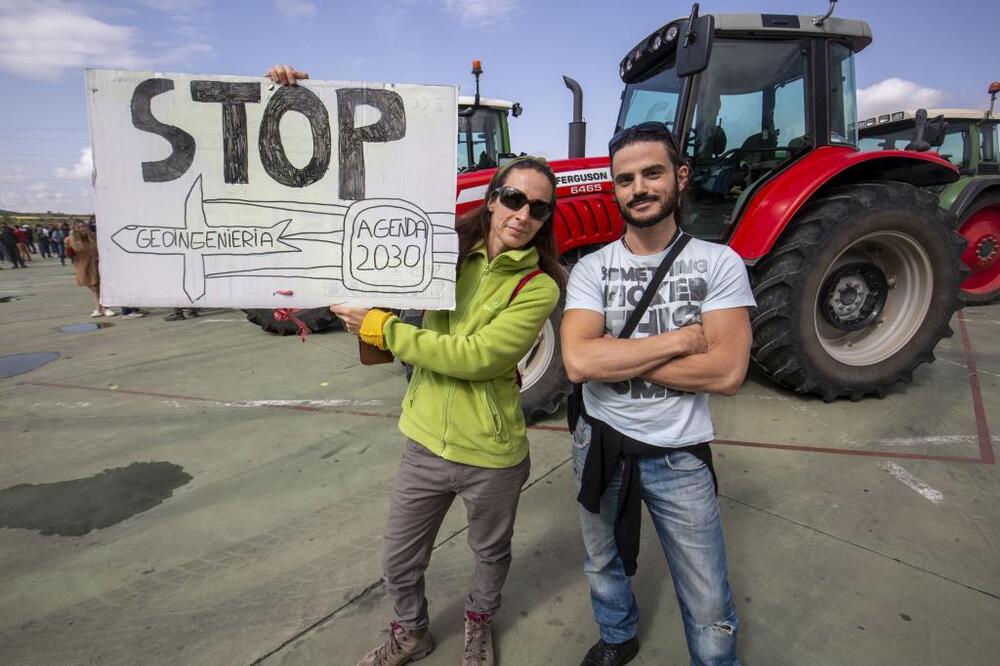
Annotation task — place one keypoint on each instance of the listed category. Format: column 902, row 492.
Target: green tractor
column 971, row 141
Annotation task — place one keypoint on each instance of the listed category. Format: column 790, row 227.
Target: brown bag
column 372, row 355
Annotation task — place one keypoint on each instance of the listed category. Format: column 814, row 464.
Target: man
column 647, row 424
column 8, row 237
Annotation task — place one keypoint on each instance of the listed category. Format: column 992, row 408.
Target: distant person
column 29, row 240
column 57, row 238
column 8, row 238
column 22, row 244
column 81, row 246
column 42, row 241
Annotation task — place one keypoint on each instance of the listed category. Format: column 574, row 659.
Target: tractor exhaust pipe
column 578, row 127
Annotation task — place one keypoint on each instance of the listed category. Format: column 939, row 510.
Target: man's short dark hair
column 653, row 132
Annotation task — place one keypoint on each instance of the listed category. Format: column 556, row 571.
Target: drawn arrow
column 198, row 239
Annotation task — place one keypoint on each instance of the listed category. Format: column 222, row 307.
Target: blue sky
column 937, row 55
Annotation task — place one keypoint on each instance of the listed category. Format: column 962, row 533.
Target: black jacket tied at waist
column 607, row 447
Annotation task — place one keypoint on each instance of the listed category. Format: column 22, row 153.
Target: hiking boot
column 611, row 654
column 401, row 646
column 174, row 316
column 478, row 640
column 192, row 313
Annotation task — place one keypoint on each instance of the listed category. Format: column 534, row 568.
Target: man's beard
column 667, row 208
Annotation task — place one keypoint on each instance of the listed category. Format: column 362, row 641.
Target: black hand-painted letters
column 272, row 153
column 391, row 126
column 233, row 97
column 181, row 142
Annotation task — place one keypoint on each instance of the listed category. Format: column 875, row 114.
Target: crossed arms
column 708, row 358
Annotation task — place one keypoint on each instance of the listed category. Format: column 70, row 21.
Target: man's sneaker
column 478, row 640
column 611, row 654
column 401, row 646
column 134, row 315
column 97, row 313
column 108, row 312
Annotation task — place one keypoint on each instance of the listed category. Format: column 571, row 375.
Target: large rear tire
column 544, row 384
column 857, row 292
column 980, row 226
column 317, row 319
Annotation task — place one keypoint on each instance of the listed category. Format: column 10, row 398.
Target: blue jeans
column 679, row 494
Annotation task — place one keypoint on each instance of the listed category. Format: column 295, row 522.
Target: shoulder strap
column 520, row 285
column 654, row 284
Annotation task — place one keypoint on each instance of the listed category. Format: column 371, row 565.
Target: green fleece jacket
column 463, row 401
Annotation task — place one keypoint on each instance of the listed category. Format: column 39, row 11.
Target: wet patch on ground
column 85, row 327
column 16, row 364
column 75, row 507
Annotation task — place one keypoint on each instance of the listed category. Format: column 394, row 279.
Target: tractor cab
column 970, row 139
column 774, row 87
column 483, row 134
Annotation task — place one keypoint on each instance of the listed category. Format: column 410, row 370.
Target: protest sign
column 230, row 192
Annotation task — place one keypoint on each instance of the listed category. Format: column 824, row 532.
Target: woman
column 461, row 413
column 81, row 246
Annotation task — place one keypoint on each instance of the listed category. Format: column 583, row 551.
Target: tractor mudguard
column 771, row 209
column 972, row 191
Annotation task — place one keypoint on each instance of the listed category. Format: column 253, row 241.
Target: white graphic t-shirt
column 705, row 277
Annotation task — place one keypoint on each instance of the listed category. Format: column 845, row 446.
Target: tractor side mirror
column 919, row 143
column 695, row 48
column 994, row 88
column 935, row 132
column 516, row 110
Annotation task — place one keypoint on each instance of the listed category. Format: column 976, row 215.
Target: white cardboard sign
column 221, row 191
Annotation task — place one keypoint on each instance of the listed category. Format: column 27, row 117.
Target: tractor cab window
column 886, row 140
column 749, row 119
column 989, row 149
column 652, row 99
column 955, row 148
column 480, row 138
column 843, row 100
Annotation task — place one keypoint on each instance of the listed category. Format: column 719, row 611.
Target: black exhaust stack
column 577, row 128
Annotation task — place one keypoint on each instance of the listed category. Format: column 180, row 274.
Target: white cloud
column 895, row 94
column 43, row 39
column 483, row 13
column 295, row 9
column 82, row 170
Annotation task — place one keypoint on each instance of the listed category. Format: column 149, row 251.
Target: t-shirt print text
column 676, row 303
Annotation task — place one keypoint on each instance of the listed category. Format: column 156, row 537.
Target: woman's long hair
column 82, row 236
column 473, row 226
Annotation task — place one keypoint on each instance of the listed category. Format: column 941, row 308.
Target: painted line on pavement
column 916, row 485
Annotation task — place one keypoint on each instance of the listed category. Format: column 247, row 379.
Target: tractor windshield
column 481, row 139
column 653, row 99
column 749, row 119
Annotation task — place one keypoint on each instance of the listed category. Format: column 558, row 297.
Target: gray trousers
column 424, row 489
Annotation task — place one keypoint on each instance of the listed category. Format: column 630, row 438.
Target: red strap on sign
column 284, row 314
column 513, row 294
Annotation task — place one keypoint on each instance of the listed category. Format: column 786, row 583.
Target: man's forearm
column 612, row 360
column 710, row 372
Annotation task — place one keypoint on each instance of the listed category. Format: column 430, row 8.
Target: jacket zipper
column 451, row 383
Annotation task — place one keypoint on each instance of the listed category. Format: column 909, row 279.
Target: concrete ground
column 863, row 533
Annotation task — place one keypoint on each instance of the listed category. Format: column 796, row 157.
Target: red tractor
column 855, row 268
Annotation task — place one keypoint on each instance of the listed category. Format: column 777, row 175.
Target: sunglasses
column 648, row 127
column 515, row 199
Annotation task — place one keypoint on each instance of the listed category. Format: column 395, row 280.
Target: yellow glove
column 371, row 327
